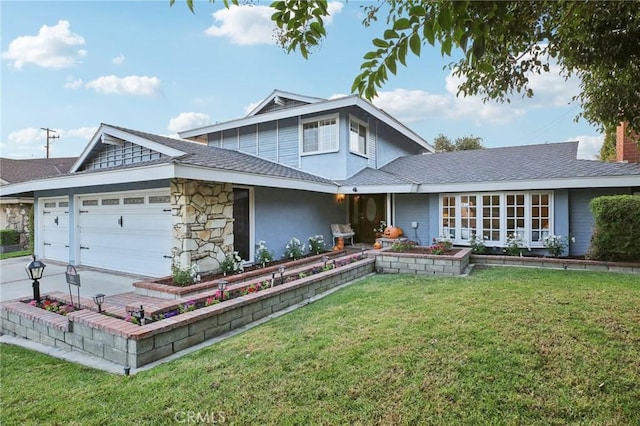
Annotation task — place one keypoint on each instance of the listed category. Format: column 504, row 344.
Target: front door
column 241, row 226
column 365, row 214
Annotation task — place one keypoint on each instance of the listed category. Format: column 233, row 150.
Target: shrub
column 477, row 244
column 185, row 276
column 513, row 245
column 232, row 263
column 616, row 228
column 264, row 256
column 294, row 249
column 316, row 244
column 9, row 237
column 555, row 244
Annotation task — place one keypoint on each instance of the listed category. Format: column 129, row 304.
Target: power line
column 50, row 137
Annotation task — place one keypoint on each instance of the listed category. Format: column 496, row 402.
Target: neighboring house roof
column 303, row 108
column 14, row 171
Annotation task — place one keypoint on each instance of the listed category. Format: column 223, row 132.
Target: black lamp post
column 281, row 272
column 98, row 299
column 35, row 269
column 222, row 285
column 325, row 259
column 139, row 315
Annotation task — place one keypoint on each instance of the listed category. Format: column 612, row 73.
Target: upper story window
column 357, row 136
column 319, row 135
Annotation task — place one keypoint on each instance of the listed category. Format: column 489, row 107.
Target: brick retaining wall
column 131, row 345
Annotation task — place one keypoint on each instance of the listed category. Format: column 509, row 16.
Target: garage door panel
column 54, row 229
column 118, row 234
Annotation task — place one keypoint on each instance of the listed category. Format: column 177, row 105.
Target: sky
column 71, row 65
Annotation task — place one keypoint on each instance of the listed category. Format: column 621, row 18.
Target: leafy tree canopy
column 502, row 44
column 608, row 148
column 443, row 144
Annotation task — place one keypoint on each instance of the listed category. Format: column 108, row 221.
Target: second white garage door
column 128, row 232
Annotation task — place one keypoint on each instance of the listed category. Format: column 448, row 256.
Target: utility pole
column 49, row 137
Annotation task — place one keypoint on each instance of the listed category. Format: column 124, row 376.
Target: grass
column 15, row 254
column 504, row 346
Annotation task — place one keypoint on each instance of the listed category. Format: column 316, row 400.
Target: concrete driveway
column 14, row 283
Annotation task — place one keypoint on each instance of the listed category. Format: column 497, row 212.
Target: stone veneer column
column 202, row 222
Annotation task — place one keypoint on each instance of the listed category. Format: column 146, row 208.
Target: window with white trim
column 468, row 213
column 448, row 217
column 491, row 213
column 495, row 216
column 319, row 135
column 539, row 217
column 357, row 136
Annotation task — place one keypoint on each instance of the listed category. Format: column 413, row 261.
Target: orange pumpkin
column 340, row 244
column 393, row 232
column 377, row 245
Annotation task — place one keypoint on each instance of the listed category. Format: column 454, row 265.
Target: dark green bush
column 9, row 237
column 616, row 235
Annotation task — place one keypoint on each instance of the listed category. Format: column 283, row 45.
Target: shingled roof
column 197, row 154
column 13, row 171
column 516, row 163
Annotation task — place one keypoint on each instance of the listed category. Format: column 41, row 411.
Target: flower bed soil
column 426, row 250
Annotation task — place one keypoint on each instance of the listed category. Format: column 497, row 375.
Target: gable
column 107, row 155
column 112, row 146
column 279, row 100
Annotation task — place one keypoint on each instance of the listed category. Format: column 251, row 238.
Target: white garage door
column 128, row 232
column 54, row 228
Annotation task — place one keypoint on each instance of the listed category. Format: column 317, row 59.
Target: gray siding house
column 136, row 202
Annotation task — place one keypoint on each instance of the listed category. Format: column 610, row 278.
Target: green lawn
column 15, row 254
column 504, row 346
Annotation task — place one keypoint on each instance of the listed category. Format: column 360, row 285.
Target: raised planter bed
column 390, row 262
column 132, row 345
column 160, row 287
column 555, row 263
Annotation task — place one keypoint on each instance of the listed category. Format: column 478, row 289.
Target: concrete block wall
column 388, row 262
column 131, row 345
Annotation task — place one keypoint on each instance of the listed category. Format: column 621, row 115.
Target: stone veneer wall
column 202, row 222
column 17, row 217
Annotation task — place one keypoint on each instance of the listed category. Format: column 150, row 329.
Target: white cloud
column 413, row 105
column 131, row 85
column 250, row 107
column 53, row 47
column 589, row 146
column 250, row 25
column 30, row 142
column 72, row 83
column 187, row 121
column 84, row 133
column 416, row 105
column 24, row 143
column 118, row 60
